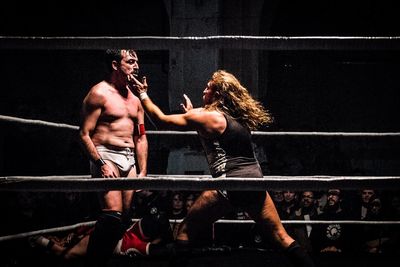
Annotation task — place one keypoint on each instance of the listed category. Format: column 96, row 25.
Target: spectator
column 365, row 196
column 332, row 237
column 289, row 204
column 277, row 197
column 177, row 211
column 190, row 198
column 375, row 236
column 307, row 211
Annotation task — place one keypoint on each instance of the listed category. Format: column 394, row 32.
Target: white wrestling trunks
column 124, row 159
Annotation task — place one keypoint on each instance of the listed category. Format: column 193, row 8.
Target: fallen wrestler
column 145, row 237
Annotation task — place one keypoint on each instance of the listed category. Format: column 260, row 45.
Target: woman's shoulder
column 205, row 114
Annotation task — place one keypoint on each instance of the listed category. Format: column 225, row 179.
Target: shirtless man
column 113, row 134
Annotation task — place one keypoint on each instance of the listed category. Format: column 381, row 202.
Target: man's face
column 333, row 197
column 277, row 196
column 307, row 199
column 177, row 202
column 289, row 195
column 129, row 63
column 366, row 195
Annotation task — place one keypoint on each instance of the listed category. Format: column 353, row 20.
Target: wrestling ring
column 83, row 183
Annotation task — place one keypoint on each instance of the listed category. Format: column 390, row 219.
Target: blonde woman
column 224, row 125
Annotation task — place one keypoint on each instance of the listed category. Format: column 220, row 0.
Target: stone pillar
column 191, row 69
column 243, row 19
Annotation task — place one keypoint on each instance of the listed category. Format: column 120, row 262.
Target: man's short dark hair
column 114, row 54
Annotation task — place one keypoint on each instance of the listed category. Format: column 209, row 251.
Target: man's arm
column 141, row 144
column 91, row 111
column 90, row 115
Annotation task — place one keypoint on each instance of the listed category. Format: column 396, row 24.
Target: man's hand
column 107, row 172
column 187, row 105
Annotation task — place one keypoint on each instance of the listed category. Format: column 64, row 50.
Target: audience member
column 332, row 237
column 315, row 238
column 289, row 204
column 375, row 236
column 189, row 200
column 365, row 196
column 177, row 211
column 277, row 197
column 307, row 211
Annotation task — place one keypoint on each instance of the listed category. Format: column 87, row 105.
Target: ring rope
column 73, row 127
column 290, row 222
column 85, row 183
column 46, row 231
column 37, row 122
column 207, row 42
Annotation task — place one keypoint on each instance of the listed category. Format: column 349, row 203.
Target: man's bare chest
column 119, row 107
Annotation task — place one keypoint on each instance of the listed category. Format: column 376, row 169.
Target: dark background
column 346, row 91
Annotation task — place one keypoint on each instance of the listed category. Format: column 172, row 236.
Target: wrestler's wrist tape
column 139, row 130
column 100, row 162
column 143, row 96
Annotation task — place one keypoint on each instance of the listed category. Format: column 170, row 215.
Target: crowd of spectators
column 42, row 210
column 330, row 205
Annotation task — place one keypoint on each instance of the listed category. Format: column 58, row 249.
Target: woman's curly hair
column 235, row 100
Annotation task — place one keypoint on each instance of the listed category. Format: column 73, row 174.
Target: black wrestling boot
column 298, row 256
column 104, row 238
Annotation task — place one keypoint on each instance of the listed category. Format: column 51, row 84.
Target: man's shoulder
column 99, row 89
column 97, row 93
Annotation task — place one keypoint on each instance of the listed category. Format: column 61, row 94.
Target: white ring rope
column 73, row 127
column 207, row 42
column 37, row 122
column 173, row 221
column 46, row 231
column 192, row 182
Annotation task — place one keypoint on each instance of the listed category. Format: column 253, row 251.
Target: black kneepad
column 107, row 232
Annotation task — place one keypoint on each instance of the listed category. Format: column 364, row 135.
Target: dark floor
column 208, row 256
